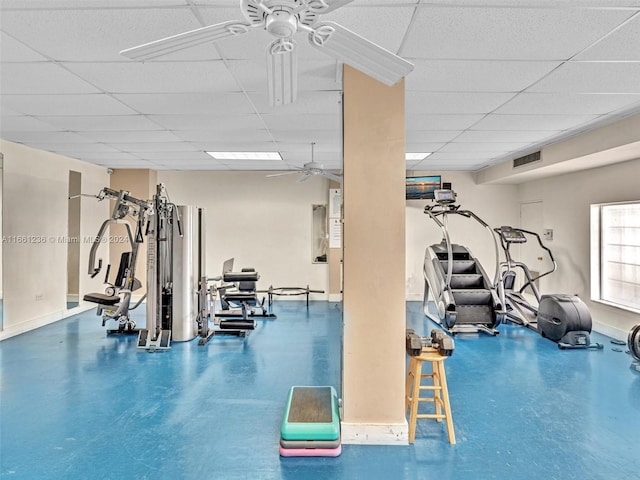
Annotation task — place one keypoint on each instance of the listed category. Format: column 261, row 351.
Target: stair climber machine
column 562, row 318
column 465, row 297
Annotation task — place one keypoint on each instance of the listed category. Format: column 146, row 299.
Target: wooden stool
column 438, row 386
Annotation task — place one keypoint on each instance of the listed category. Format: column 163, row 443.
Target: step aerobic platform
column 311, row 413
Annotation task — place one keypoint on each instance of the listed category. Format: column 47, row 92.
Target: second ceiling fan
column 311, row 169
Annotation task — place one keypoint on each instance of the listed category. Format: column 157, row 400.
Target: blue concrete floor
column 78, row 404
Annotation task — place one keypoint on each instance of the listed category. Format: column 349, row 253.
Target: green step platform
column 311, row 413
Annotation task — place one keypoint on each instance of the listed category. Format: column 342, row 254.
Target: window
column 615, row 254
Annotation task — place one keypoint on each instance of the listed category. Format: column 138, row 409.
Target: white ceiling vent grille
column 527, row 159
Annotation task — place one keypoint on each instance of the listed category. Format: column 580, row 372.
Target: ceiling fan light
column 281, row 24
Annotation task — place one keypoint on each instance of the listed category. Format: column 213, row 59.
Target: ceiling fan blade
column 281, row 174
column 333, row 4
column 185, row 40
column 304, row 177
column 332, row 176
column 360, row 53
column 282, row 72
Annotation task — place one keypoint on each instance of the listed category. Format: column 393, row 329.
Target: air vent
column 532, row 157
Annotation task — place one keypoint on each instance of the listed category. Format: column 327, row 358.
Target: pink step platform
column 310, row 452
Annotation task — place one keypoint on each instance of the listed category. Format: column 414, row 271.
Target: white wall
column 566, row 200
column 35, row 211
column 495, row 204
column 264, row 223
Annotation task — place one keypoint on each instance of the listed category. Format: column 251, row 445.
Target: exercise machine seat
column 101, row 298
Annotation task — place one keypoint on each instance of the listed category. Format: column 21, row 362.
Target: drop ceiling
column 493, row 80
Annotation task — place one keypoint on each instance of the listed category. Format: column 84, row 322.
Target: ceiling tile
column 102, row 123
column 87, row 104
column 72, row 149
column 306, row 122
column 567, row 103
column 94, row 34
column 453, row 103
column 429, row 136
column 12, row 50
column 308, row 136
column 212, row 122
column 507, row 33
column 306, row 103
column 26, row 124
column 186, row 103
column 440, row 122
column 75, row 4
column 418, row 146
column 105, row 156
column 504, row 136
column 586, row 77
column 159, row 136
column 532, row 122
column 460, row 147
column 254, row 164
column 168, row 156
column 169, row 147
column 157, row 77
column 37, row 78
column 44, row 137
column 384, row 26
column 622, row 44
column 476, row 75
column 231, row 146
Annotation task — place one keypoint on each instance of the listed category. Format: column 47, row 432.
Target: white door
column 531, row 218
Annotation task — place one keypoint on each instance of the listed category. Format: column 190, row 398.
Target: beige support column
column 141, row 183
column 374, row 261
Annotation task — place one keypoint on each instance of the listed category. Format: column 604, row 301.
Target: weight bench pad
column 240, row 276
column 101, row 298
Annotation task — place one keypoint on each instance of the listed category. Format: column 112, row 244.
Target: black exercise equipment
column 562, row 318
column 438, row 339
column 464, row 295
column 633, row 342
column 288, row 292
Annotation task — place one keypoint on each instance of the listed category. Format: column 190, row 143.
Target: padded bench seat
column 240, row 297
column 101, row 298
column 240, row 276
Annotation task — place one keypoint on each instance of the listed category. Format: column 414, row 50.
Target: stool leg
column 447, row 405
column 407, row 388
column 437, row 397
column 415, row 398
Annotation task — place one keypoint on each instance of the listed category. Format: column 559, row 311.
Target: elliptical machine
column 562, row 318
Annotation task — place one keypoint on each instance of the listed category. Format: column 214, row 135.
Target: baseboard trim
column 609, row 331
column 375, row 434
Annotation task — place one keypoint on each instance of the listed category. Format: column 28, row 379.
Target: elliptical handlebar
column 506, row 243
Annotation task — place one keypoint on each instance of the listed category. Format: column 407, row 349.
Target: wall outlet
column 39, row 297
column 548, row 234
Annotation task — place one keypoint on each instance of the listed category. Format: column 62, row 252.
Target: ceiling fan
column 311, row 169
column 282, row 19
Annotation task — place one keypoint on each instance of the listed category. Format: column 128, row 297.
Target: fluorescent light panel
column 245, row 155
column 416, row 156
